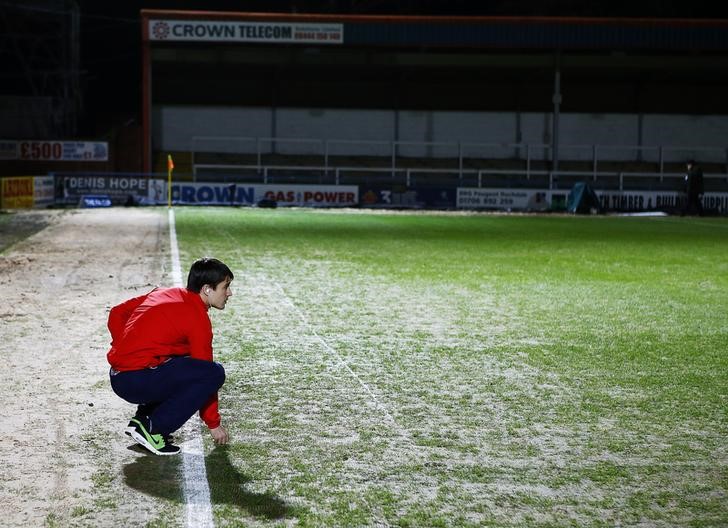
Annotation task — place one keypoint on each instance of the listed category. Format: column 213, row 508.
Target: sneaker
column 138, row 415
column 131, row 426
column 154, row 443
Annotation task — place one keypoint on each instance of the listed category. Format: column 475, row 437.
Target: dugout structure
column 328, row 90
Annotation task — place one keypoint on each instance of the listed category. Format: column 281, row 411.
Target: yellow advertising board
column 16, row 192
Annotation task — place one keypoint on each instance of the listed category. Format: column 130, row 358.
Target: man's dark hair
column 207, row 270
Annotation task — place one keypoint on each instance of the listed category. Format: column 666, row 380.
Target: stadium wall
column 174, row 128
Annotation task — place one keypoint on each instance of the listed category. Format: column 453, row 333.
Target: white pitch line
column 196, row 488
column 176, row 270
column 341, row 360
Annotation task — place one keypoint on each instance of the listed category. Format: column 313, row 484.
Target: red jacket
column 166, row 322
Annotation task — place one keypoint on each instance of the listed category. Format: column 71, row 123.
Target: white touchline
column 176, row 270
column 196, row 489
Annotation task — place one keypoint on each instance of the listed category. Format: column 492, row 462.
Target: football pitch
column 418, row 370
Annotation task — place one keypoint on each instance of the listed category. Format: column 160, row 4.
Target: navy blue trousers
column 170, row 393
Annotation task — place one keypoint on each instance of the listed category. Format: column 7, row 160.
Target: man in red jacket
column 161, row 356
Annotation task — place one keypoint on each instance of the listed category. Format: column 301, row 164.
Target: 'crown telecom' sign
column 223, row 31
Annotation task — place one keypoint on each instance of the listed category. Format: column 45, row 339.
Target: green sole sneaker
column 169, row 439
column 154, row 443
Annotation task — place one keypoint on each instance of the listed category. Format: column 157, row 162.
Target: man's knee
column 211, row 373
column 217, row 374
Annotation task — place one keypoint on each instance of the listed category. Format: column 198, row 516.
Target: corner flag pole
column 170, row 168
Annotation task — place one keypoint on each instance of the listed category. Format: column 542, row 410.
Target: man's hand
column 220, row 435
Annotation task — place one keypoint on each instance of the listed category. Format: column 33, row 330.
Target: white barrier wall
column 598, row 129
column 174, row 128
column 373, row 125
column 687, row 131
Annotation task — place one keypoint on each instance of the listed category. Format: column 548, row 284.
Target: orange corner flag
column 170, row 166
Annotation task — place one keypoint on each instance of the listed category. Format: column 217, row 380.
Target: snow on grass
column 409, row 347
column 434, row 373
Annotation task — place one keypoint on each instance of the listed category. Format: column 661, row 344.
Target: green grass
column 469, row 370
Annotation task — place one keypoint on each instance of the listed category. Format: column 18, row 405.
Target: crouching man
column 161, row 356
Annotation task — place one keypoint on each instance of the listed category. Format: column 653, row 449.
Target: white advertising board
column 32, row 150
column 243, row 31
column 252, row 194
column 542, row 200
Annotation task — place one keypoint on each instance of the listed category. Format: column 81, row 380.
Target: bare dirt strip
column 64, row 460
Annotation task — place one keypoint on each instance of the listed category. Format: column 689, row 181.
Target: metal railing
column 410, row 177
column 206, row 147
